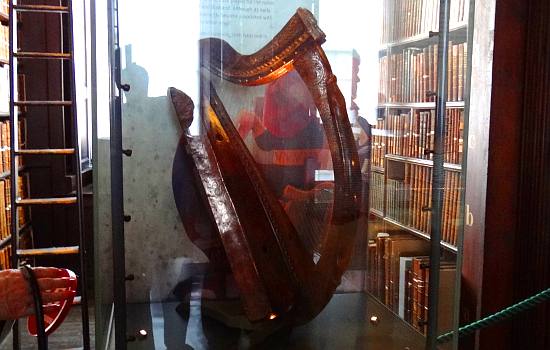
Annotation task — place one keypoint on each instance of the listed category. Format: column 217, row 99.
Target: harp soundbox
column 274, row 272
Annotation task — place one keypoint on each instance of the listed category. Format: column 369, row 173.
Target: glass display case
column 273, row 173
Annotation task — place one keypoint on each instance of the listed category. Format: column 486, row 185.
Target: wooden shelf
column 22, row 230
column 457, row 33
column 376, row 213
column 420, row 105
column 377, row 169
column 6, row 115
column 423, row 162
column 420, row 234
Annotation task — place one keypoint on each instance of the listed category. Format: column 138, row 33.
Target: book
column 396, row 247
column 371, row 267
column 405, row 263
column 380, row 241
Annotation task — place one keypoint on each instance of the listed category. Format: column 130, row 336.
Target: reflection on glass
column 185, row 291
column 402, row 161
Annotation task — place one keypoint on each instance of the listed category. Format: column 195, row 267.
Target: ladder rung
column 45, row 151
column 47, row 251
column 44, row 55
column 46, row 201
column 42, row 103
column 41, row 8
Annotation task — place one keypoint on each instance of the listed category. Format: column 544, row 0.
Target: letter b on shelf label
column 468, row 217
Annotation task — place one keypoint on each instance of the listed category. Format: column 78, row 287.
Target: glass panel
column 81, row 22
column 189, row 286
column 103, row 247
column 402, row 161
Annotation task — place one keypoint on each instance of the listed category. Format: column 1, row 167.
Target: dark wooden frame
column 507, row 249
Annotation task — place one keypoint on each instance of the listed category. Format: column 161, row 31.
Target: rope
column 502, row 315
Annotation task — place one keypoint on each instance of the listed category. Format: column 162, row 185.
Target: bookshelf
column 5, row 227
column 403, row 141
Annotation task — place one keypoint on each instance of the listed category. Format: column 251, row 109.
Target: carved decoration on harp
column 277, row 279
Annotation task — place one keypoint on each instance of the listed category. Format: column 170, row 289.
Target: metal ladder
column 76, row 198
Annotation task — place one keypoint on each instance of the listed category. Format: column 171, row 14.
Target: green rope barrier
column 499, row 316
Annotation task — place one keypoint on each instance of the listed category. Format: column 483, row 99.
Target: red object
column 55, row 313
column 288, row 106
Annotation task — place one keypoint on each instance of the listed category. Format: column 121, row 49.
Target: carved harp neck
column 270, row 62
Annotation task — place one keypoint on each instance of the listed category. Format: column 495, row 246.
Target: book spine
column 371, row 267
column 416, row 292
column 387, row 274
column 455, row 72
column 424, row 299
column 460, row 68
column 408, row 295
column 450, row 72
column 379, row 260
column 427, row 198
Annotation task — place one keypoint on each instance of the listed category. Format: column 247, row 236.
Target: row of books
column 5, row 214
column 399, row 275
column 408, row 201
column 5, row 139
column 5, row 198
column 406, row 18
column 411, row 74
column 376, row 191
column 378, row 149
column 454, row 135
column 412, row 135
column 5, row 256
column 5, row 253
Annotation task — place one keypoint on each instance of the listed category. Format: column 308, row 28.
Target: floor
column 67, row 336
column 343, row 324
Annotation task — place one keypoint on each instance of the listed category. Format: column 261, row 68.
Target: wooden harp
column 275, row 274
